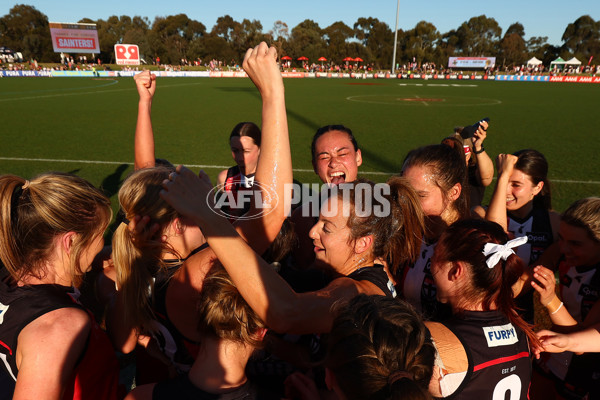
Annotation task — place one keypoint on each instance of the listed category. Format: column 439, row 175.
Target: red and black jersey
column 498, row 354
column 236, row 182
column 96, row 375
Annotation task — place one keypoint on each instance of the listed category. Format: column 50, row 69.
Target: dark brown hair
column 464, row 241
column 533, row 164
column 447, row 168
column 397, row 234
column 249, row 129
column 379, row 348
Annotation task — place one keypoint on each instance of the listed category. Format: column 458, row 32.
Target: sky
column 539, row 18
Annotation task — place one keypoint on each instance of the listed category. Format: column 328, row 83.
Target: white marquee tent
column 534, row 62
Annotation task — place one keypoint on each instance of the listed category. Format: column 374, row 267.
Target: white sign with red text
column 127, row 54
column 74, row 38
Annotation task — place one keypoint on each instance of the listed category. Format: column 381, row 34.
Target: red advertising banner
column 577, row 79
column 74, row 38
column 127, row 54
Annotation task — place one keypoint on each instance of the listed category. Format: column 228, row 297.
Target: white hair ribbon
column 501, row 251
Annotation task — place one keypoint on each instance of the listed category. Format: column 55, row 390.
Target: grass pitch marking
column 439, row 100
column 84, row 93
column 227, row 166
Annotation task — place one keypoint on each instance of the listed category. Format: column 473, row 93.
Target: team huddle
column 410, row 289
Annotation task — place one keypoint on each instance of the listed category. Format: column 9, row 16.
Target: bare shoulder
column 60, row 324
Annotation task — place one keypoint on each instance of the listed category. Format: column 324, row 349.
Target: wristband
column 553, row 305
column 559, row 307
column 480, row 150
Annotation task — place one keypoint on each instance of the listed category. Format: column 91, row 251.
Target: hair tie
column 501, row 251
column 396, row 375
column 25, row 185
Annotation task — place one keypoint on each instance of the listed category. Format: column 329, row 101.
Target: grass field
column 86, row 126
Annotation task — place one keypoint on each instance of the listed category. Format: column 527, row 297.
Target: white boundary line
column 227, row 166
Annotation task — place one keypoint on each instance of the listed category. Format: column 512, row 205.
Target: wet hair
column 34, row 213
column 249, row 129
column 585, row 214
column 533, row 164
column 223, row 313
column 397, row 234
column 464, row 241
column 328, row 128
column 379, row 348
column 447, row 168
column 138, row 262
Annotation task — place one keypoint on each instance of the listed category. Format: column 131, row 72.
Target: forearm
column 485, row 168
column 264, row 290
column 496, row 211
column 144, row 136
column 559, row 315
column 587, row 340
column 273, row 175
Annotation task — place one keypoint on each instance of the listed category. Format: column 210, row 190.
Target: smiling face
column 335, row 160
column 245, row 153
column 520, row 192
column 331, row 238
column 577, row 246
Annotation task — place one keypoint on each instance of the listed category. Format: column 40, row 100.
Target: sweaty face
column 520, row 190
column 577, row 246
column 245, row 153
column 430, row 195
column 331, row 237
column 336, row 161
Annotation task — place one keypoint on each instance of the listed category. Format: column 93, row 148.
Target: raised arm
column 485, row 165
column 545, row 284
column 145, row 83
column 282, row 309
column 274, row 169
column 496, row 212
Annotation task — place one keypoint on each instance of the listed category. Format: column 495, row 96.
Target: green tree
column 513, row 46
column 25, row 29
column 479, row 37
column 420, row 42
column 307, row 40
column 279, row 36
column 337, row 36
column 378, row 38
column 582, row 38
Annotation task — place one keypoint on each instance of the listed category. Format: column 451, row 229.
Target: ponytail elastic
column 396, row 375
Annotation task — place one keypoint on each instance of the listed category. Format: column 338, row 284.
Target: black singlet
column 377, row 276
column 498, row 354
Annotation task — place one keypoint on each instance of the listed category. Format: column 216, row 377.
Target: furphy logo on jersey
column 500, row 335
column 3, row 310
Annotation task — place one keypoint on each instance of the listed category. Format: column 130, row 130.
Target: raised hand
column 190, row 194
column 145, row 83
column 260, row 63
column 505, row 163
column 544, row 283
column 480, row 135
